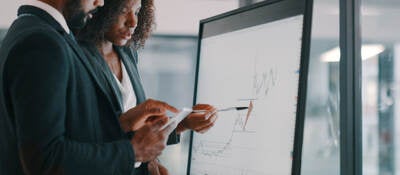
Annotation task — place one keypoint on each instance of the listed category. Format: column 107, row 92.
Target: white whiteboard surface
column 258, row 65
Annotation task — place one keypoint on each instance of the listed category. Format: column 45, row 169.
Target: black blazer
column 56, row 115
column 130, row 59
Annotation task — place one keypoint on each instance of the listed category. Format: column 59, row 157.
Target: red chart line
column 248, row 114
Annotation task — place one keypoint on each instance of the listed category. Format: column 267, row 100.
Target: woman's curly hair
column 103, row 19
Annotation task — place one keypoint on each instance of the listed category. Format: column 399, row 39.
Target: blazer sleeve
column 37, row 74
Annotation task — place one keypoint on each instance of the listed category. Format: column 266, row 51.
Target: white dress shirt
column 126, row 89
column 52, row 11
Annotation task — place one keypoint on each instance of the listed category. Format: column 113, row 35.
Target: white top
column 126, row 89
column 128, row 94
column 51, row 10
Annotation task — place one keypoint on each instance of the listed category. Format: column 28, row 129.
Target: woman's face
column 122, row 30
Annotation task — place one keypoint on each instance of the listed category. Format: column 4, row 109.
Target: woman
column 111, row 39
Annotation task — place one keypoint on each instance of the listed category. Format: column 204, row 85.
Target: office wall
column 178, row 17
column 181, row 17
column 8, row 12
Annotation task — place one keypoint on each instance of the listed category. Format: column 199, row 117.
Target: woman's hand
column 155, row 168
column 199, row 122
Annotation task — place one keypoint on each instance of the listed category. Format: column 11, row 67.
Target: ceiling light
column 367, row 51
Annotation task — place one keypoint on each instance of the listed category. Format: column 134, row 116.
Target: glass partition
column 167, row 67
column 380, row 86
column 321, row 145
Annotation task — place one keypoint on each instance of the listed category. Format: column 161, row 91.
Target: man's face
column 78, row 12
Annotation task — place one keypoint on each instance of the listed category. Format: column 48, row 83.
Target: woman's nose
column 98, row 3
column 132, row 20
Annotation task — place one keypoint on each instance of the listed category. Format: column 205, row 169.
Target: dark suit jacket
column 56, row 115
column 130, row 59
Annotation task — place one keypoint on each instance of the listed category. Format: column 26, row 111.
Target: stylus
column 222, row 110
column 219, row 110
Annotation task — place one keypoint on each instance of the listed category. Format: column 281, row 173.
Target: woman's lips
column 127, row 35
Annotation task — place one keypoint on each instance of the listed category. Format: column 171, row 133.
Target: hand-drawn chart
column 256, row 68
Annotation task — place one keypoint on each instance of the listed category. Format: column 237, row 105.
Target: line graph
column 263, row 79
column 216, row 148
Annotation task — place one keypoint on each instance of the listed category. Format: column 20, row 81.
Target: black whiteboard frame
column 261, row 13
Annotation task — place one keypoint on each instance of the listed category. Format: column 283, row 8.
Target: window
column 380, row 86
column 321, row 144
column 167, row 67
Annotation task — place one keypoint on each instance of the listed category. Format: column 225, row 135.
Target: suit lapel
column 131, row 68
column 82, row 57
column 98, row 60
column 31, row 10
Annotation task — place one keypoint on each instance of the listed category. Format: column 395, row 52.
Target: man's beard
column 75, row 16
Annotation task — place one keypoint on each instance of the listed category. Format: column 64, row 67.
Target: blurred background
column 167, row 66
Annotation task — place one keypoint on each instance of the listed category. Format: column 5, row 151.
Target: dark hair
column 95, row 29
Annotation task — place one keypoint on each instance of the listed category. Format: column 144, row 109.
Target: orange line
column 248, row 114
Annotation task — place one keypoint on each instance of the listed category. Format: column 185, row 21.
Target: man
column 55, row 115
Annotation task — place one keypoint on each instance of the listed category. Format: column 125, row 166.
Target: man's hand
column 199, row 122
column 155, row 168
column 148, row 142
column 149, row 110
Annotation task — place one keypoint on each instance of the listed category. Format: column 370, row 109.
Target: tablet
column 174, row 121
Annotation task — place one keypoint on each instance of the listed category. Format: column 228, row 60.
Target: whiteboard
column 257, row 67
